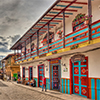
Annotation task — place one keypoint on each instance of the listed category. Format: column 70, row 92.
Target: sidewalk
column 53, row 93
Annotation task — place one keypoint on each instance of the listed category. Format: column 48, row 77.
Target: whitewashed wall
column 35, row 69
column 94, row 63
column 20, row 71
column 65, row 60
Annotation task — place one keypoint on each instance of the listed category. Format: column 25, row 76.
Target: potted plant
column 87, row 19
column 44, row 41
column 60, row 33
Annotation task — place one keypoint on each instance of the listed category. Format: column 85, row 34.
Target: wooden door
column 41, row 74
column 30, row 73
column 80, row 78
column 55, row 77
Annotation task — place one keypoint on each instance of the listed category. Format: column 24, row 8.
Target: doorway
column 30, row 73
column 56, row 76
column 80, row 77
column 23, row 72
column 40, row 75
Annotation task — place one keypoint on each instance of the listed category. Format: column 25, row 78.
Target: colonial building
column 11, row 68
column 64, row 46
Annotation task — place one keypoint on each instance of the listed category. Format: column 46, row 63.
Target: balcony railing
column 74, row 38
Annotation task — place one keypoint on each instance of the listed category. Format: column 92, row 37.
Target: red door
column 41, row 74
column 80, row 78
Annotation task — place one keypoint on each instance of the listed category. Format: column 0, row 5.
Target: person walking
column 44, row 83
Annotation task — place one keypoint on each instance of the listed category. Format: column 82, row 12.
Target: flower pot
column 60, row 36
column 86, row 22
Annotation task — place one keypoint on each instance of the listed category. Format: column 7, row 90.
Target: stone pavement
column 14, row 91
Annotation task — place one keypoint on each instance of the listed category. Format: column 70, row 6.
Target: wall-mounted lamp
column 34, row 66
column 63, row 64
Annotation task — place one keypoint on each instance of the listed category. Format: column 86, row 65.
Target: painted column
column 89, row 14
column 63, row 29
column 37, row 43
column 48, row 36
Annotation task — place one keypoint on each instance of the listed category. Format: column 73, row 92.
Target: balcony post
column 48, row 36
column 25, row 50
column 63, row 29
column 21, row 52
column 37, row 43
column 30, row 46
column 89, row 14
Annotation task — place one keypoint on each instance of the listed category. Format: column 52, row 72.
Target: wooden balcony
column 72, row 40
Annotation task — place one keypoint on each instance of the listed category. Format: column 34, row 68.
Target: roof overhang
column 53, row 16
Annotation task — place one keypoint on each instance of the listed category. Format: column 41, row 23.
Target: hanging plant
column 60, row 33
column 78, row 19
column 87, row 19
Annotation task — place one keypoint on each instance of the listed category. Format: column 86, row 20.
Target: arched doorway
column 79, row 77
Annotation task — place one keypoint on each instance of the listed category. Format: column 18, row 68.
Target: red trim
column 71, row 78
column 87, row 78
column 57, row 16
column 95, row 90
column 84, row 3
column 65, row 10
column 52, row 21
column 38, row 72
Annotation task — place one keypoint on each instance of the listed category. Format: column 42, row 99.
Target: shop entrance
column 30, row 73
column 23, row 72
column 80, row 77
column 55, row 78
column 55, row 74
column 41, row 74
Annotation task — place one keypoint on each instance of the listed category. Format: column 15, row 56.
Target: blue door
column 41, row 74
column 80, row 78
column 56, row 77
column 30, row 73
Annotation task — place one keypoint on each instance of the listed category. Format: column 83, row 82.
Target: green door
column 15, row 75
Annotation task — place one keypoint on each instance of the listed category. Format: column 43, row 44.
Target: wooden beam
column 83, row 3
column 65, row 10
column 52, row 20
column 43, row 24
column 56, row 16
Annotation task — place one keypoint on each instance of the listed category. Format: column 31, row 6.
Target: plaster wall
column 94, row 63
column 35, row 69
column 65, row 60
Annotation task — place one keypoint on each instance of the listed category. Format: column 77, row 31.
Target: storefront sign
column 54, row 61
column 78, row 57
column 65, row 70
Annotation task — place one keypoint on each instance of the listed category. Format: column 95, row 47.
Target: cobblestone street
column 11, row 91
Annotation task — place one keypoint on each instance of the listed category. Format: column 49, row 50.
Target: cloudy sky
column 16, row 17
